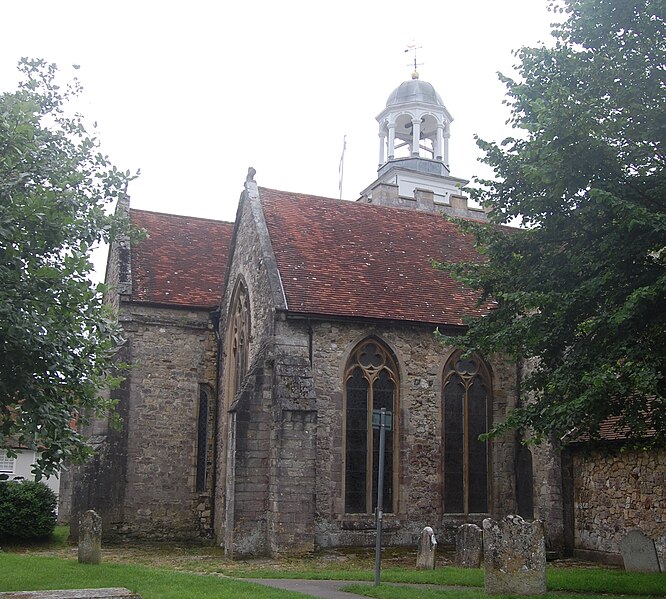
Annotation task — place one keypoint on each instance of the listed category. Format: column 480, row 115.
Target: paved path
column 326, row 589
column 330, row 589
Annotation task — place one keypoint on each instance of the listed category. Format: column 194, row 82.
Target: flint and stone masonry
column 614, row 486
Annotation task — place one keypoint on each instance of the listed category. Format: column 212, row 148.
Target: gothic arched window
column 202, row 439
column 371, row 383
column 466, row 403
column 238, row 340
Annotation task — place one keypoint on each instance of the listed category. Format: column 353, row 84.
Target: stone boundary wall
column 615, row 491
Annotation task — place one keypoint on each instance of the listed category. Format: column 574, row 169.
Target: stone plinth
column 514, row 555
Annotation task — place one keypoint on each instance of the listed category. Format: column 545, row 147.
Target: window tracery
column 371, row 383
column 239, row 339
column 466, row 395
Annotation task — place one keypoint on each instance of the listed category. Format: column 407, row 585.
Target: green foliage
column 56, row 337
column 27, row 510
column 580, row 289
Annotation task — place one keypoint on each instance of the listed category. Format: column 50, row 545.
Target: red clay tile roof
column 610, row 430
column 342, row 258
column 182, row 262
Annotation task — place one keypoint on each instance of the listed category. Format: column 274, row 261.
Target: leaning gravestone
column 90, row 538
column 639, row 553
column 425, row 558
column 469, row 546
column 514, row 556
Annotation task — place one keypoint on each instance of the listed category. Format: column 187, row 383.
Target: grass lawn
column 391, row 592
column 580, row 580
column 29, row 573
column 172, row 571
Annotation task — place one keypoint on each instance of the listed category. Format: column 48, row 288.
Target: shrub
column 27, row 510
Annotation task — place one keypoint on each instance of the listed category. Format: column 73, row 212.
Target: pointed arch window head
column 239, row 339
column 371, row 383
column 466, row 413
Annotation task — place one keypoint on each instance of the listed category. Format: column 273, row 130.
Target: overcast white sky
column 192, row 93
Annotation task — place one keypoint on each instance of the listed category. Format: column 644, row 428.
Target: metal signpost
column 380, row 489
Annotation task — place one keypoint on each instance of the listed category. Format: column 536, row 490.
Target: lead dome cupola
column 414, row 90
column 415, row 125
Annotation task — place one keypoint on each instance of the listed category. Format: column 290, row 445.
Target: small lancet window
column 371, row 383
column 202, row 440
column 466, row 402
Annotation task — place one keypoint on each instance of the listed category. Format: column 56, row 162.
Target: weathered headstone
column 469, row 546
column 425, row 558
column 639, row 553
column 514, row 556
column 90, row 538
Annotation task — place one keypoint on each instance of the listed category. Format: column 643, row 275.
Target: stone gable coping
column 267, row 253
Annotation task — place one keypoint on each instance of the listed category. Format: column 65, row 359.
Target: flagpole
column 341, row 168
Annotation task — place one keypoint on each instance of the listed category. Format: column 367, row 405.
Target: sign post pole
column 380, row 495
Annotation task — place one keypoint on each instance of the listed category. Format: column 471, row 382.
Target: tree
column 580, row 288
column 57, row 337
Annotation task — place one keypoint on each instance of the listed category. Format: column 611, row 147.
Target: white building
column 20, row 467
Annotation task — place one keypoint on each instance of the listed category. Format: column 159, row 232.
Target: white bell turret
column 414, row 131
column 414, row 124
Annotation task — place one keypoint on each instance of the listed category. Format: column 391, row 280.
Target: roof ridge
column 364, row 205
column 188, row 216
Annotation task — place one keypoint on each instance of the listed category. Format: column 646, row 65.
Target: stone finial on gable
column 250, row 184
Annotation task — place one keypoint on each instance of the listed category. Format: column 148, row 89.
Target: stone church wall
column 247, row 447
column 250, row 262
column 616, row 490
column 421, row 361
column 270, row 476
column 173, row 353
column 293, row 452
column 153, row 474
column 549, row 495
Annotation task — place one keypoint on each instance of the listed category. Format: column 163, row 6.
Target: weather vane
column 413, row 48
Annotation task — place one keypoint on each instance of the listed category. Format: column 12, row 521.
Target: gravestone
column 425, row 558
column 90, row 538
column 639, row 553
column 469, row 546
column 514, row 556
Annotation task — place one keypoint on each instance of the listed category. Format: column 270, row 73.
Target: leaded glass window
column 466, row 416
column 239, row 340
column 202, row 440
column 371, row 379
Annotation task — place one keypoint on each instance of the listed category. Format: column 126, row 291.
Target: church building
column 263, row 350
